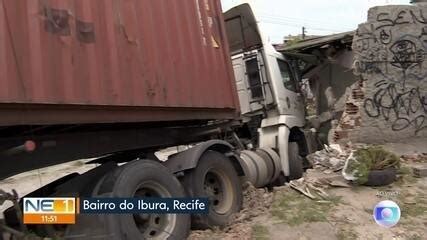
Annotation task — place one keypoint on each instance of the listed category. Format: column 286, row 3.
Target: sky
column 279, row 18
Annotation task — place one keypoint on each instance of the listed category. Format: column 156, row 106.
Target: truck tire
column 269, row 163
column 260, row 169
column 381, row 177
column 145, row 178
column 295, row 161
column 214, row 178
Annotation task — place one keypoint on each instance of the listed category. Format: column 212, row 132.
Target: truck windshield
column 287, row 77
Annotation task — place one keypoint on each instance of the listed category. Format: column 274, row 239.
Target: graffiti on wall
column 403, row 108
column 391, row 51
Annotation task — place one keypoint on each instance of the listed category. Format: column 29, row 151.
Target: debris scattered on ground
column 311, row 188
column 330, row 159
column 414, row 158
column 345, row 214
column 338, row 183
column 315, row 188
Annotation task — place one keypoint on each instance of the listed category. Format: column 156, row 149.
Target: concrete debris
column 333, row 147
column 330, row 159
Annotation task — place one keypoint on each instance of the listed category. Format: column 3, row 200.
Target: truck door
column 252, row 86
column 290, row 99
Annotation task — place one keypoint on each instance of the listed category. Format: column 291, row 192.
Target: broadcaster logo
column 53, row 210
column 387, row 213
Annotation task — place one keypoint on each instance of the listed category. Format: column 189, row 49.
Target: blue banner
column 143, row 205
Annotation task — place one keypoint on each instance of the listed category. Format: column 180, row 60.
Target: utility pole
column 303, row 32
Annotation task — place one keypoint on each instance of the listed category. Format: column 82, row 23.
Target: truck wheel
column 214, row 178
column 295, row 161
column 381, row 177
column 144, row 178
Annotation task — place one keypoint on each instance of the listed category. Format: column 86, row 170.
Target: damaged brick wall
column 389, row 102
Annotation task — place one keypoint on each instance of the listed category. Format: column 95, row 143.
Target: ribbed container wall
column 107, row 54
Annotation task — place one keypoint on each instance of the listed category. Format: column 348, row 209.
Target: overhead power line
column 306, row 26
column 303, row 20
column 302, row 24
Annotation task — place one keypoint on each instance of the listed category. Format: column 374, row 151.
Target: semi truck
column 118, row 81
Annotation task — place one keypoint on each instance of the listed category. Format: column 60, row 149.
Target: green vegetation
column 260, row 232
column 335, row 199
column 372, row 158
column 415, row 237
column 415, row 209
column 294, row 209
column 405, row 170
column 406, row 176
column 292, row 40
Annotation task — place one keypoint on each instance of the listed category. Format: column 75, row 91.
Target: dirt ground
column 284, row 213
column 347, row 215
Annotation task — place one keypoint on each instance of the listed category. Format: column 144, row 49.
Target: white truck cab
column 268, row 87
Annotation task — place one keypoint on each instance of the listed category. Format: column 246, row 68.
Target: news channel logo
column 387, row 213
column 49, row 210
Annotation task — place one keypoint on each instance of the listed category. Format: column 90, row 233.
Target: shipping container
column 105, row 61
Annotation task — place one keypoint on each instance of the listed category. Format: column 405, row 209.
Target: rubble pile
column 329, row 162
column 330, row 159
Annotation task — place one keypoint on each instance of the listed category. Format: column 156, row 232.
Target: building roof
column 344, row 37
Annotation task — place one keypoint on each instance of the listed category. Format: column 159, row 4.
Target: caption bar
column 143, row 205
column 64, row 210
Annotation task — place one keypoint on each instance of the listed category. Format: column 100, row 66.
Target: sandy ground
column 283, row 213
column 346, row 215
